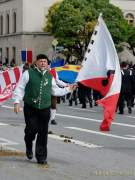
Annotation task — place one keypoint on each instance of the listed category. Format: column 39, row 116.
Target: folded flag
column 8, row 82
column 68, row 73
column 57, row 63
column 101, row 71
column 26, row 56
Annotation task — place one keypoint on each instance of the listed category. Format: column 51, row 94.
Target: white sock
column 53, row 114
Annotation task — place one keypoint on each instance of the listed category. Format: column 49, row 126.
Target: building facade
column 128, row 8
column 22, row 21
column 21, row 24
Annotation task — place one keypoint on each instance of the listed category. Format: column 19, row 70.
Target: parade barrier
column 8, row 81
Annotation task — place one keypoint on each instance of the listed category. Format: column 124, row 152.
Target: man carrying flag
column 101, row 71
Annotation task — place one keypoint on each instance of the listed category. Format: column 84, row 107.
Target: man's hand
column 105, row 82
column 17, row 107
column 73, row 87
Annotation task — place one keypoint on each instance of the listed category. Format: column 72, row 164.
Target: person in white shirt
column 35, row 88
column 54, row 98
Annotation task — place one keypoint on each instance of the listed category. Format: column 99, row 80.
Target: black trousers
column 125, row 96
column 36, row 124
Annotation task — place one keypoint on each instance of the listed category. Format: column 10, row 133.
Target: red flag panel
column 29, row 56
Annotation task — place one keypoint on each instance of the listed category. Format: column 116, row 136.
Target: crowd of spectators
column 6, row 66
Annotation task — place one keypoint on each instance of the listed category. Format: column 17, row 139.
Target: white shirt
column 20, row 89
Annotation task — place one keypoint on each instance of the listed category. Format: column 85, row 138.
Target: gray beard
column 42, row 69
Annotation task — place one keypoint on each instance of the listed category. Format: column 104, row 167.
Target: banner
column 26, row 56
column 101, row 71
column 8, row 81
column 57, row 63
column 68, row 73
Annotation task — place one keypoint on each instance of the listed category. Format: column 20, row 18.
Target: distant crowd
column 5, row 66
column 85, row 96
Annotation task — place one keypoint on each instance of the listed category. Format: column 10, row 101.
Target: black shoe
column 121, row 112
column 70, row 103
column 29, row 154
column 129, row 110
column 91, row 105
column 53, row 122
column 43, row 162
column 76, row 103
column 83, row 106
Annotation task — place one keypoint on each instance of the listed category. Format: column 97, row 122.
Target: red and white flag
column 8, row 81
column 101, row 71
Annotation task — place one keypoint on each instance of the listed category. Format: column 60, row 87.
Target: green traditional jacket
column 38, row 89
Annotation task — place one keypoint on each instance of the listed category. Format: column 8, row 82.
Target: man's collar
column 42, row 72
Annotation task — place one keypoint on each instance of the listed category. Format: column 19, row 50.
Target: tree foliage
column 72, row 23
column 131, row 39
column 52, row 10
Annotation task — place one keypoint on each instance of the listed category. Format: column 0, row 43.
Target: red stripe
column 5, row 98
column 6, row 77
column 78, row 68
column 109, row 104
column 17, row 73
column 53, row 73
column 29, row 56
column 66, row 67
column 96, row 84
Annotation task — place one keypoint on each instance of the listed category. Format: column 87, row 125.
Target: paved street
column 76, row 147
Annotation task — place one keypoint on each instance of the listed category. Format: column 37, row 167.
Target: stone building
column 21, row 24
column 128, row 8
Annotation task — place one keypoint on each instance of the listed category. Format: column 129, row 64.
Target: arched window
column 1, row 25
column 7, row 55
column 7, row 23
column 0, row 55
column 14, row 22
column 130, row 18
column 14, row 53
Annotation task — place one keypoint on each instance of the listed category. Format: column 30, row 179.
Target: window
column 0, row 55
column 14, row 52
column 7, row 56
column 13, row 62
column 7, row 24
column 130, row 18
column 1, row 25
column 14, row 22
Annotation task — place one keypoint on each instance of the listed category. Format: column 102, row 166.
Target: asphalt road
column 76, row 149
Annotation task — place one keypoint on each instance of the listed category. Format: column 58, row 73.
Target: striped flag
column 68, row 73
column 101, row 71
column 26, row 56
column 8, row 81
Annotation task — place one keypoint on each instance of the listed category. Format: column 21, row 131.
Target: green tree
column 72, row 23
column 131, row 39
column 52, row 10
